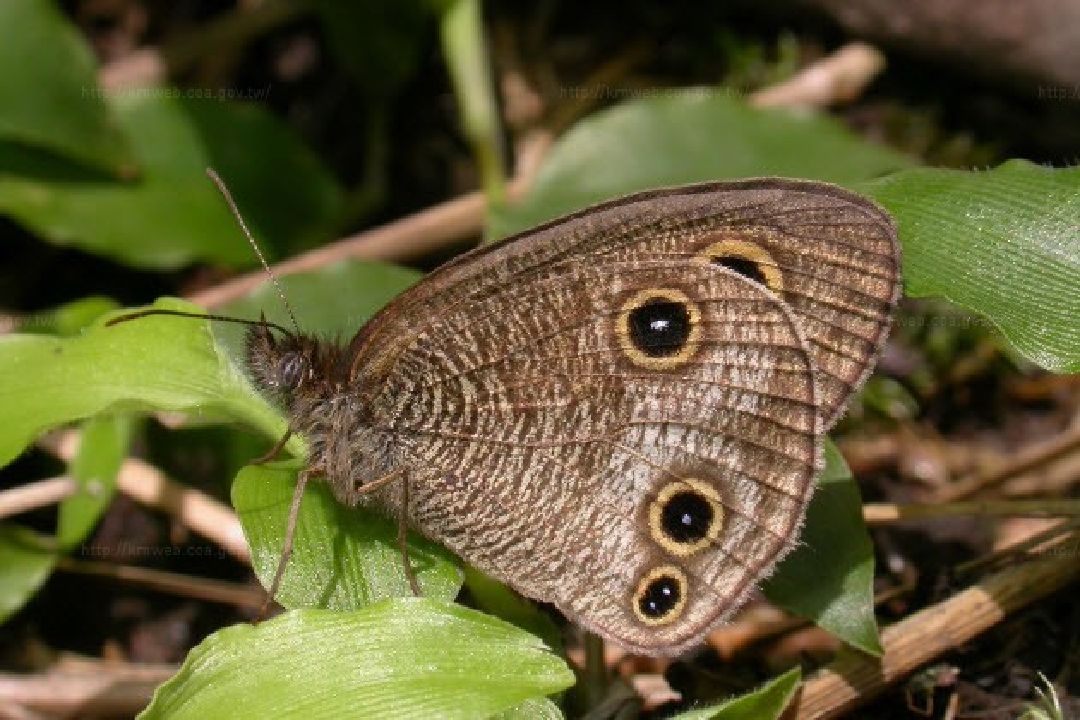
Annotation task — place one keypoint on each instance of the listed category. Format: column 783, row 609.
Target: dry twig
column 852, row 679
column 219, row 591
column 84, row 689
column 35, row 495
column 146, row 484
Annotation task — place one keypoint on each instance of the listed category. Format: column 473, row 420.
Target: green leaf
column 532, row 709
column 49, row 96
column 103, row 445
column 155, row 363
column 68, row 319
column 766, row 703
column 26, row 560
column 829, row 578
column 285, row 193
column 406, row 658
column 493, row 597
column 1004, row 243
column 687, row 136
column 173, row 215
column 343, row 558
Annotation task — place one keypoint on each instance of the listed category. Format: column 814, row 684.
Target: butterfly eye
column 751, row 261
column 291, row 370
column 686, row 516
column 661, row 595
column 658, row 328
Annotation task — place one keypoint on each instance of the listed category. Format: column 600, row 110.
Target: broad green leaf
column 829, row 578
column 532, row 709
column 766, row 703
column 286, row 195
column 172, row 215
column 49, row 96
column 693, row 135
column 154, row 363
column 405, row 658
column 103, row 445
column 493, row 597
column 26, row 560
column 68, row 319
column 1004, row 243
column 343, row 558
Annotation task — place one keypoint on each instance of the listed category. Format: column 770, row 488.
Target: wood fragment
column 853, row 678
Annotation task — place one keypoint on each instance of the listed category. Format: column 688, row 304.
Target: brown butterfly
column 619, row 412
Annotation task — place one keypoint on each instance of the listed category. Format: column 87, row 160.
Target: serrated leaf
column 692, row 135
column 343, row 558
column 766, row 703
column 1004, row 243
column 829, row 578
column 26, row 560
column 406, row 658
column 49, row 96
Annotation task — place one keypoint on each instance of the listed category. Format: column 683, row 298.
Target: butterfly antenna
column 254, row 245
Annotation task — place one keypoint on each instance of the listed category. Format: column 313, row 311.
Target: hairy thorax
column 309, row 379
column 344, row 447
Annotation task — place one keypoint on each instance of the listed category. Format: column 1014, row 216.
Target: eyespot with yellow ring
column 659, row 328
column 660, row 597
column 749, row 260
column 686, row 516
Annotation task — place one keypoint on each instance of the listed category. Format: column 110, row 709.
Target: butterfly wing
column 605, row 416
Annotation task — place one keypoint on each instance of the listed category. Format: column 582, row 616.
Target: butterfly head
column 288, row 365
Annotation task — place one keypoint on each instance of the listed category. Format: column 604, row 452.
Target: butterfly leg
column 402, row 538
column 290, row 533
column 403, row 528
column 273, row 452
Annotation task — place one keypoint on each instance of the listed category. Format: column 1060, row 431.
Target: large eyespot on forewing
column 659, row 328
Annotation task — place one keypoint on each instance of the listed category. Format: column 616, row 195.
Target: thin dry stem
column 884, row 513
column 36, row 495
column 85, row 688
column 219, row 591
column 1028, row 459
column 146, row 484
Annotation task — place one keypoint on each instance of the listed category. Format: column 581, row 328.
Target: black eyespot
column 660, row 596
column 291, row 370
column 747, row 268
column 660, row 328
column 687, row 517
